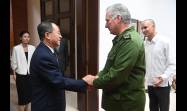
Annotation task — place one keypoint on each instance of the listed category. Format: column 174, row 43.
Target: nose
column 61, row 36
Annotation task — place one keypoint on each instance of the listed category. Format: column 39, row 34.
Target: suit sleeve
column 49, row 72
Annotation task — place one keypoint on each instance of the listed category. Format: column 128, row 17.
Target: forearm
column 14, row 72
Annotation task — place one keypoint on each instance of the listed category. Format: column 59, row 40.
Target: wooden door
column 62, row 12
column 87, row 40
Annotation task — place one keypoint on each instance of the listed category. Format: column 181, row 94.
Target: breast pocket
column 110, row 59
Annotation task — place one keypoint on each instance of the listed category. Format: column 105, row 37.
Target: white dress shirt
column 18, row 60
column 160, row 60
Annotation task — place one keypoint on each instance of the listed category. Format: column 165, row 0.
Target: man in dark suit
column 48, row 84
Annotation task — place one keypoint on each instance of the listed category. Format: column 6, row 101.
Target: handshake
column 89, row 79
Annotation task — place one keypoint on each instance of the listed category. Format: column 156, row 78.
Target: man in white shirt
column 160, row 65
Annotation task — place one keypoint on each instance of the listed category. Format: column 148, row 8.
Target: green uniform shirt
column 122, row 78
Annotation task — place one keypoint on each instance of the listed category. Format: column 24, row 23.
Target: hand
column 157, row 81
column 89, row 79
column 14, row 76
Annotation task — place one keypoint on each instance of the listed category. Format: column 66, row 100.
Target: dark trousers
column 159, row 98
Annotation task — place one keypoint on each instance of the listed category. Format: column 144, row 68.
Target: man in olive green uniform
column 122, row 78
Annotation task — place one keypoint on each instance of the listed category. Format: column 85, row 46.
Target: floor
column 72, row 101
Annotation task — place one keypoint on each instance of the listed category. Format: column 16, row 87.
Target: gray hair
column 121, row 10
column 44, row 27
column 150, row 20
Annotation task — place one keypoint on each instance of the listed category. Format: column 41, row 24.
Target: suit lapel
column 22, row 53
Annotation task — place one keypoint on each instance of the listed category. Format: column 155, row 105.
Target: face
column 55, row 36
column 148, row 29
column 111, row 24
column 25, row 38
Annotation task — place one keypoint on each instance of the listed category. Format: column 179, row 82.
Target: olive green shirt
column 122, row 78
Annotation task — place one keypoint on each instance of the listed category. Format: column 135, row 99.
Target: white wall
column 34, row 18
column 162, row 11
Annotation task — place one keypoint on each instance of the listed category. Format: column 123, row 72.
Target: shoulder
column 131, row 34
column 127, row 36
column 134, row 38
column 42, row 56
column 42, row 51
column 163, row 38
column 17, row 47
column 164, row 42
column 31, row 46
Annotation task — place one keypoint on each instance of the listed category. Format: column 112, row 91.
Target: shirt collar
column 154, row 40
column 52, row 50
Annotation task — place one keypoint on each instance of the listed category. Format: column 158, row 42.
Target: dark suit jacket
column 48, row 84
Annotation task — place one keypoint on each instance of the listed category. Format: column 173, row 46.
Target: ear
column 47, row 35
column 119, row 17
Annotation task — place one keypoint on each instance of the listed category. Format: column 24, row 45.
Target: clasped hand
column 89, row 79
